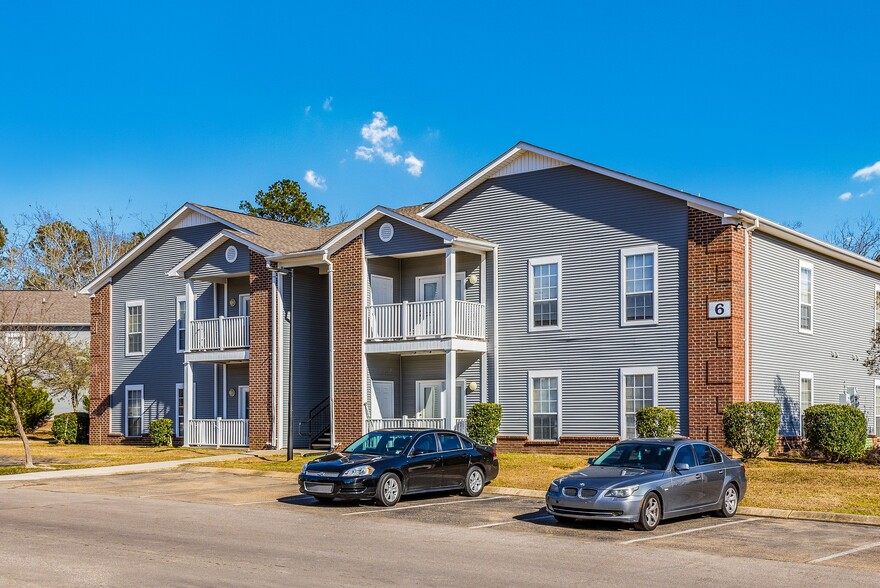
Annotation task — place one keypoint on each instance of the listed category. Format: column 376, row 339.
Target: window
column 243, row 404
column 180, row 410
column 181, row 324
column 638, row 388
column 244, row 305
column 638, row 286
column 877, row 407
column 545, row 293
column 545, row 420
column 806, row 394
column 134, row 327
column 806, row 297
column 877, row 307
column 134, row 411
column 686, row 455
column 705, row 455
column 449, row 442
column 425, row 444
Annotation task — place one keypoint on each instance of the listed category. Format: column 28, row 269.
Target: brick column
column 716, row 347
column 260, row 365
column 99, row 381
column 348, row 333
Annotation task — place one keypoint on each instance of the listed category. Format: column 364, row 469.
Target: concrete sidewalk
column 132, row 467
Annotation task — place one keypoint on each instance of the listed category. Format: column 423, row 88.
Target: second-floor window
column 877, row 307
column 181, row 324
column 806, row 297
column 638, row 284
column 134, row 327
column 545, row 293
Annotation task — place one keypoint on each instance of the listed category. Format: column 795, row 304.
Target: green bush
column 34, row 407
column 751, row 427
column 837, row 432
column 161, row 432
column 71, row 428
column 656, row 421
column 483, row 422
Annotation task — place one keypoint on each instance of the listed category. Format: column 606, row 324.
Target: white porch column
column 187, row 401
column 190, row 312
column 447, row 399
column 449, row 292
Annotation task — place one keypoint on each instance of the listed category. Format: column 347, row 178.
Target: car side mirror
column 590, row 460
column 682, row 467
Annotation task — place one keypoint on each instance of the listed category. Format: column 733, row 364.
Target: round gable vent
column 231, row 253
column 386, row 232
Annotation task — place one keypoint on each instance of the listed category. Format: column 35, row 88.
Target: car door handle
column 698, row 477
column 720, row 472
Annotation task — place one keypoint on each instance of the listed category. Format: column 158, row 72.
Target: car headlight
column 358, row 471
column 305, row 467
column 622, row 492
column 554, row 486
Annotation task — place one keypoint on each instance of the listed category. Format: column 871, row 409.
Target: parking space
column 816, row 543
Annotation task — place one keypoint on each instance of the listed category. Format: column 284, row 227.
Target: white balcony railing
column 427, row 319
column 405, row 423
column 218, row 334
column 218, row 432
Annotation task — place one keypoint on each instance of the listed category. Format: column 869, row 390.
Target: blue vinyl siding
column 215, row 264
column 406, row 239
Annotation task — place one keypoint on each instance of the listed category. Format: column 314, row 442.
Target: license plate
column 319, row 488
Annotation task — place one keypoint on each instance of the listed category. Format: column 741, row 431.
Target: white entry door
column 382, row 404
column 428, row 399
column 429, row 288
column 243, row 393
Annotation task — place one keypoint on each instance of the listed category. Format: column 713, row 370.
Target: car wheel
column 563, row 520
column 324, row 499
column 650, row 514
column 474, row 482
column 729, row 501
column 388, row 490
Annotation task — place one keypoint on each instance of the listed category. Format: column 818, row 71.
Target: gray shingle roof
column 43, row 307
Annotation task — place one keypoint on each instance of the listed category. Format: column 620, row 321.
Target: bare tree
column 69, row 377
column 861, row 236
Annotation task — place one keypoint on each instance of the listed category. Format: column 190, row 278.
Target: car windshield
column 647, row 456
column 381, row 443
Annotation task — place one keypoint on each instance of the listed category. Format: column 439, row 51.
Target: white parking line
column 654, row 537
column 847, row 552
column 382, row 510
column 529, row 520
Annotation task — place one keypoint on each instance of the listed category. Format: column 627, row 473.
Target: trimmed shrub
column 656, row 421
column 751, row 427
column 34, row 407
column 161, row 432
column 483, row 422
column 837, row 432
column 71, row 428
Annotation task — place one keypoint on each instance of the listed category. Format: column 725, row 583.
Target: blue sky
column 772, row 107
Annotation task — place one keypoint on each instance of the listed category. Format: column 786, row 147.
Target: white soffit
column 527, row 161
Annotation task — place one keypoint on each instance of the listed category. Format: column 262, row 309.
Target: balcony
column 405, row 422
column 424, row 320
column 220, row 334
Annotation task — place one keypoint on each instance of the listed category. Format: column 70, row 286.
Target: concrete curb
column 514, row 491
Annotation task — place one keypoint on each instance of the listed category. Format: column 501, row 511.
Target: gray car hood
column 607, row 476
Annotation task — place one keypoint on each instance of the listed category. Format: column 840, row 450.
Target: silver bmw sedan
column 645, row 481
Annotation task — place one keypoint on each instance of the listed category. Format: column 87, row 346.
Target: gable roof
column 44, row 307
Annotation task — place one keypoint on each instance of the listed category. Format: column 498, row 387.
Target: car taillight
column 494, row 451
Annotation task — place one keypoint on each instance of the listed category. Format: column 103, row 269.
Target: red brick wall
column 348, row 335
column 587, row 446
column 716, row 347
column 260, row 366
column 99, row 381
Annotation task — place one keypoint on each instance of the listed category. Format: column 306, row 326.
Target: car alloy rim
column 390, row 489
column 730, row 500
column 652, row 511
column 475, row 481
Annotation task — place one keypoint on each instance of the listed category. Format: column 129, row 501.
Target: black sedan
column 384, row 465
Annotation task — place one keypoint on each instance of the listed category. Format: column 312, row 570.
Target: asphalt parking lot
column 855, row 547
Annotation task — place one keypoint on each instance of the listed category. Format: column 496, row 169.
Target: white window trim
column 801, row 265
column 442, row 278
column 550, row 259
column 178, row 388
column 801, row 377
column 420, row 404
column 636, row 371
column 135, row 388
column 242, row 405
column 142, row 304
column 876, row 294
column 545, row 374
column 177, row 302
column 627, row 252
column 876, row 406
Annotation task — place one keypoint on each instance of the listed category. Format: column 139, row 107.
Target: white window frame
column 241, row 300
column 545, row 374
column 420, row 402
column 636, row 371
column 801, row 265
column 243, row 408
column 629, row 252
column 179, row 389
column 876, row 306
column 135, row 388
column 801, row 377
column 131, row 304
column 177, row 328
column 877, row 407
column 548, row 260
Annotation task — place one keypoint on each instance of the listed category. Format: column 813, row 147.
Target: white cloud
column 845, row 196
column 314, row 180
column 868, row 173
column 414, row 165
column 308, row 109
column 328, row 104
column 869, row 192
column 382, row 139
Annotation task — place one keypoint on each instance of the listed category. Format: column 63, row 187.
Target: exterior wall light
column 472, row 386
column 472, row 279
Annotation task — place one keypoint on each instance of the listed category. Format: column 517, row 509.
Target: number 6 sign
column 719, row 309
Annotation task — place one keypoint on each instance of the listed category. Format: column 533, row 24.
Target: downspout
column 272, row 363
column 747, row 392
column 497, row 384
column 329, row 263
